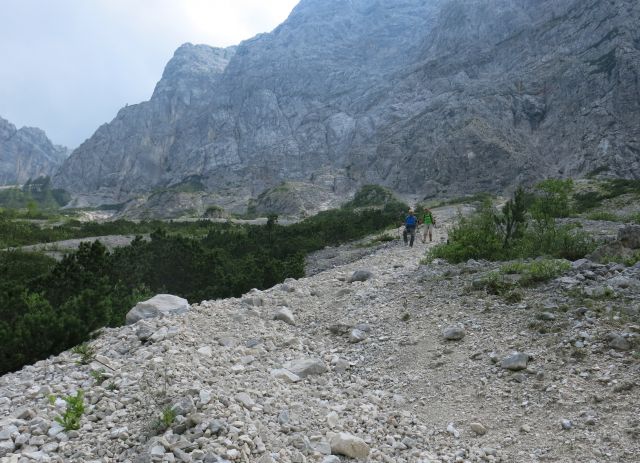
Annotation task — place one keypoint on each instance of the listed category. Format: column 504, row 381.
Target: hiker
column 410, row 224
column 429, row 223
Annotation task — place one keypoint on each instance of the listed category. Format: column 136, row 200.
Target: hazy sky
column 67, row 66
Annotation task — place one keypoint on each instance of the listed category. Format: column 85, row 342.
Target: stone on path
column 566, row 424
column 479, row 429
column 161, row 305
column 285, row 315
column 629, row 236
column 285, row 375
column 454, row 333
column 360, row 275
column 347, row 444
column 306, row 366
column 515, row 362
column 618, row 342
column 357, row 336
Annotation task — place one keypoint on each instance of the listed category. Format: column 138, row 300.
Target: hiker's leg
column 404, row 236
column 413, row 236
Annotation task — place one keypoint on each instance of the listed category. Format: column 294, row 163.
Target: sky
column 68, row 66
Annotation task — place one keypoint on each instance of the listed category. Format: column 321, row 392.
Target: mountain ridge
column 27, row 153
column 435, row 98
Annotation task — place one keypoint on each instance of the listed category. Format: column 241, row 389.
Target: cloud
column 67, row 66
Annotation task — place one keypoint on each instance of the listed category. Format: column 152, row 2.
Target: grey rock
column 283, row 417
column 6, row 447
column 360, row 275
column 629, row 236
column 160, row 305
column 306, row 366
column 245, row 399
column 566, row 424
column 285, row 375
column 339, row 328
column 285, row 315
column 357, row 336
column 515, row 362
column 8, row 432
column 216, row 426
column 144, row 331
column 454, row 333
column 184, row 406
column 347, row 444
column 478, row 428
column 618, row 342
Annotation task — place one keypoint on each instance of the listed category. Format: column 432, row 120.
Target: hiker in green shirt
column 429, row 223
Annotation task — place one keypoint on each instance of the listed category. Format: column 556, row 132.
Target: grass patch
column 605, row 216
column 538, row 271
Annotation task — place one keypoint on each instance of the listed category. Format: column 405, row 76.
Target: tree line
column 48, row 306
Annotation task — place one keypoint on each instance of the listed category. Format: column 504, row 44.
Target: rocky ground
column 379, row 358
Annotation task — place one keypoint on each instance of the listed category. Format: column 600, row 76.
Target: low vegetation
column 48, row 306
column 70, row 419
column 525, row 227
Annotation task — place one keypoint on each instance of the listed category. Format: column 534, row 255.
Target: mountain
column 27, row 153
column 430, row 97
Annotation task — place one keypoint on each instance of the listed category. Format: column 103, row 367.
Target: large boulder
column 629, row 236
column 161, row 305
column 304, row 367
column 347, row 444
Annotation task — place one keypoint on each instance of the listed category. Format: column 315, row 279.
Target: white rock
column 306, row 366
column 205, row 351
column 332, row 419
column 285, row 315
column 347, row 444
column 160, row 305
column 285, row 375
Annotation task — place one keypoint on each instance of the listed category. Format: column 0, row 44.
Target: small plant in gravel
column 405, row 317
column 514, row 296
column 86, row 353
column 165, row 420
column 112, row 386
column 494, row 283
column 99, row 375
column 70, row 420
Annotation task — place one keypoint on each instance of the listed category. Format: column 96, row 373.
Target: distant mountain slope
column 27, row 153
column 424, row 96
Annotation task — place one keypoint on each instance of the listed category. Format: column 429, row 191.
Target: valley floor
column 377, row 366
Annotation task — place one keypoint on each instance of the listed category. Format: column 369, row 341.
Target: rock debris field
column 379, row 359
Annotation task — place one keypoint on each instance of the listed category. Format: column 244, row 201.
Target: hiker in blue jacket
column 410, row 225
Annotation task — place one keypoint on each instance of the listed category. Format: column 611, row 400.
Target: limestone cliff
column 27, row 153
column 430, row 97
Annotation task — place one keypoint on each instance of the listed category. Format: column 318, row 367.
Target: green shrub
column 70, row 420
column 99, row 375
column 165, row 420
column 513, row 234
column 551, row 198
column 474, row 237
column 537, row 271
column 606, row 216
column 86, row 353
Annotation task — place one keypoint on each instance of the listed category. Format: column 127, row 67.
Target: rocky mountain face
column 27, row 153
column 434, row 97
